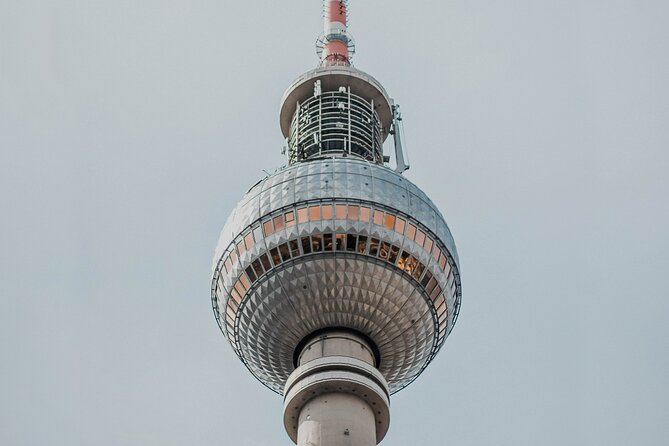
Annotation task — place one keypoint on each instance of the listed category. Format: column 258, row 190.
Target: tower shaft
column 336, row 396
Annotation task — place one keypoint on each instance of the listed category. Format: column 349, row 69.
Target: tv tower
column 336, row 279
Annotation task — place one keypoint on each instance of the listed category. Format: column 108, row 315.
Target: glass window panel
column 439, row 302
column 404, row 259
column 426, row 279
column 411, row 232
column 374, row 247
column 364, row 213
column 302, row 215
column 394, row 252
column 418, row 271
column 245, row 281
column 257, row 233
column 289, row 217
column 228, row 264
column 340, row 211
column 443, row 317
column 378, row 217
column 306, row 245
column 384, row 250
column 327, row 242
column 233, row 255
column 239, row 288
column 442, row 261
column 389, row 221
column 267, row 227
column 248, row 240
column 399, row 225
column 231, row 323
column 240, row 247
column 436, row 254
column 276, row 258
column 430, row 285
column 284, row 251
column 316, row 242
column 257, row 267
column 235, row 295
column 327, row 211
column 447, row 268
column 420, row 237
column 353, row 212
column 232, row 304
column 265, row 262
column 428, row 244
column 435, row 292
column 278, row 223
column 294, row 248
column 362, row 244
column 230, row 312
column 350, row 242
column 251, row 274
column 314, row 213
column 340, row 242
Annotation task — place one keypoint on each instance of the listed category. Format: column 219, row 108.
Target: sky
column 129, row 130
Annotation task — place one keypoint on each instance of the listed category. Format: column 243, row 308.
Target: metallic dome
column 336, row 242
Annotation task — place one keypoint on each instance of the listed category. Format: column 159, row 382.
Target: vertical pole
column 349, row 120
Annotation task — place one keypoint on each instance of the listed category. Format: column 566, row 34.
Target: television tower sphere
column 336, row 278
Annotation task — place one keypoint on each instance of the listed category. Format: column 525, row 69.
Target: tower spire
column 335, row 46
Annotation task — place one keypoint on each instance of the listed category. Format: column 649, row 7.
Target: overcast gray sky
column 129, row 129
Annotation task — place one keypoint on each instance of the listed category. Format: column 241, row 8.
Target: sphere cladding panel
column 290, row 300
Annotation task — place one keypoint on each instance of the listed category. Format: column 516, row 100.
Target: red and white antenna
column 335, row 46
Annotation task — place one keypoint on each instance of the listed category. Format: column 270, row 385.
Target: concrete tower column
column 336, row 396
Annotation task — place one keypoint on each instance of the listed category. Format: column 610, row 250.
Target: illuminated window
column 276, row 258
column 404, row 258
column 306, row 245
column 340, row 211
column 411, row 232
column 399, row 225
column 389, row 221
column 316, row 243
column 384, row 250
column 248, row 240
column 284, row 251
column 364, row 213
column 245, row 281
column 420, row 237
column 378, row 217
column 235, row 295
column 267, row 227
column 428, row 244
column 340, row 242
column 327, row 211
column 353, row 212
column 251, row 273
column 302, row 215
column 394, row 252
column 239, row 288
column 278, row 222
column 240, row 247
column 265, row 262
column 442, row 261
column 327, row 242
column 374, row 247
column 418, row 271
column 290, row 218
column 362, row 244
column 314, row 213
